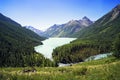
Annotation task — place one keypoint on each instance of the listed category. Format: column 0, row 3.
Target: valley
column 27, row 53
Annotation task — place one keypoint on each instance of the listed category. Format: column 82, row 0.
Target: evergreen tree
column 117, row 47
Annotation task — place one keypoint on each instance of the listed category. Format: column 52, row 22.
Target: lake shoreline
column 51, row 43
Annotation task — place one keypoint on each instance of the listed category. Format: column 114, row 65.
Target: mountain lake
column 51, row 43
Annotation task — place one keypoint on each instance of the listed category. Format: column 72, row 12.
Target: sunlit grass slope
column 104, row 69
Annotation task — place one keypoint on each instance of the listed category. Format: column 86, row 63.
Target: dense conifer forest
column 79, row 50
column 17, row 45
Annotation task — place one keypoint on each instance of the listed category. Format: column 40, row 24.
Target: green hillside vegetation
column 95, row 39
column 17, row 45
column 79, row 50
column 116, row 47
column 104, row 69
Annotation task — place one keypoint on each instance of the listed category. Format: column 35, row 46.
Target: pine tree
column 117, row 47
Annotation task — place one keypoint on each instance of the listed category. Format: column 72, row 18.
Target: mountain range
column 37, row 31
column 100, row 37
column 105, row 27
column 17, row 42
column 67, row 29
column 63, row 30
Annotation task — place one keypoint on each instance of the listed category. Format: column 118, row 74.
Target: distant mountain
column 37, row 31
column 67, row 29
column 107, row 27
column 16, row 43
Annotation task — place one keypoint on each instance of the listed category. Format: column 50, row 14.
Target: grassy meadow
column 103, row 69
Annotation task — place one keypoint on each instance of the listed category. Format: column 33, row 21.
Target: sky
column 42, row 14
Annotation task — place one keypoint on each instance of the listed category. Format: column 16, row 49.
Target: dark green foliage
column 101, row 35
column 117, row 47
column 17, row 45
column 79, row 50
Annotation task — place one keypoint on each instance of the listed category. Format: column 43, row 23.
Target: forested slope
column 95, row 39
column 17, row 44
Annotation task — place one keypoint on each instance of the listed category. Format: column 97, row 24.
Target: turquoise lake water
column 49, row 44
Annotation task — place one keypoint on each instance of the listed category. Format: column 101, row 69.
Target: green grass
column 104, row 69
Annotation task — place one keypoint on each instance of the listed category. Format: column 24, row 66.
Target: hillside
column 95, row 39
column 67, row 29
column 104, row 69
column 8, row 26
column 17, row 44
column 107, row 27
column 79, row 50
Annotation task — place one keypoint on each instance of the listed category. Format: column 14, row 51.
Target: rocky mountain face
column 69, row 28
column 37, row 31
column 107, row 27
column 86, row 21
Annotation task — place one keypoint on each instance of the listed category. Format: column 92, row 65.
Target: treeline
column 21, row 55
column 116, row 47
column 17, row 46
column 79, row 50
